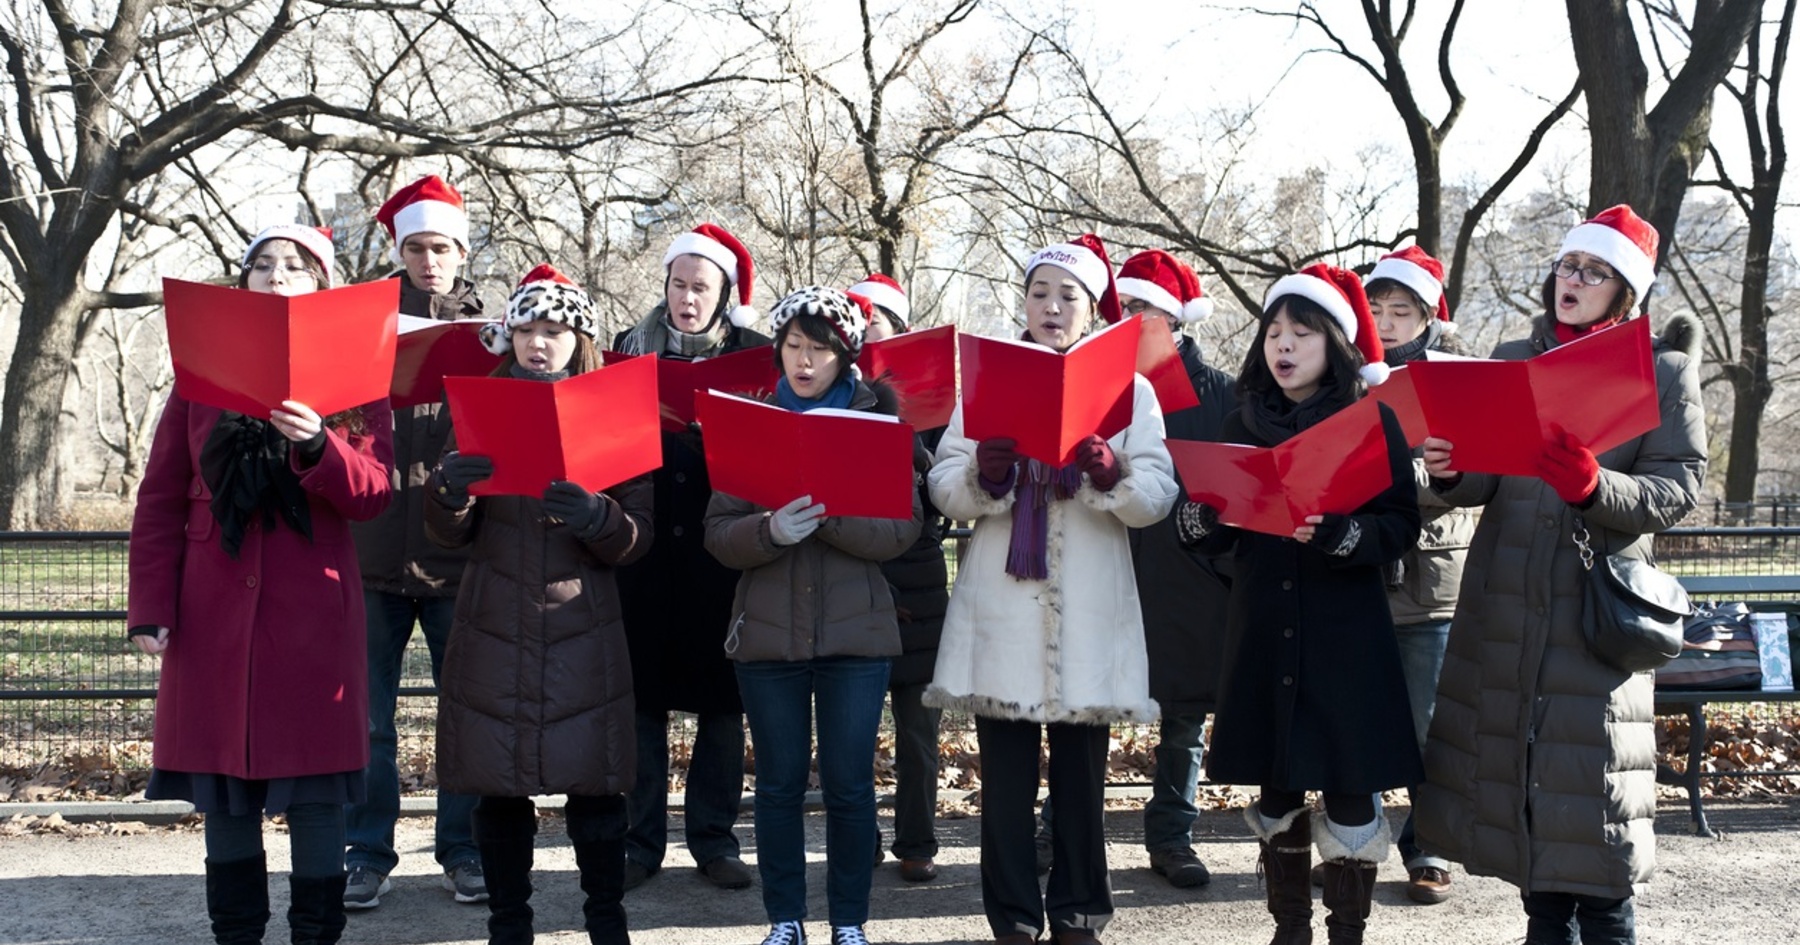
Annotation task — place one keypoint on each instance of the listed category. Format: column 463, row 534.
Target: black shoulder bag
column 1631, row 612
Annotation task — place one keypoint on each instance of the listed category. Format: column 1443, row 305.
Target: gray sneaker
column 364, row 886
column 466, row 881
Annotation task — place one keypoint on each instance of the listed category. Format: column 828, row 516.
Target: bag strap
column 1583, row 543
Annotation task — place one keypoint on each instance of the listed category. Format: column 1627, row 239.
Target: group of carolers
column 279, row 566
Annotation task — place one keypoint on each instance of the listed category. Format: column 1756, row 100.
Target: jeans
column 1170, row 813
column 715, row 789
column 1078, row 894
column 369, row 829
column 1421, row 659
column 1565, row 918
column 779, row 700
column 315, row 838
column 915, row 773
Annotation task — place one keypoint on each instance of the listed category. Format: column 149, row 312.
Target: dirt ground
column 146, row 887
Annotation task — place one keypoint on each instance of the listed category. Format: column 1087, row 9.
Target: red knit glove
column 1095, row 457
column 1568, row 467
column 996, row 459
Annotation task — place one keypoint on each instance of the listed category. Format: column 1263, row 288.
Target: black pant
column 1079, row 894
column 1560, row 918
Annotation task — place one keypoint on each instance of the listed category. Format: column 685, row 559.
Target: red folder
column 1332, row 467
column 1601, row 388
column 750, row 372
column 921, row 368
column 1047, row 401
column 249, row 351
column 857, row 464
column 597, row 429
column 430, row 350
column 1160, row 362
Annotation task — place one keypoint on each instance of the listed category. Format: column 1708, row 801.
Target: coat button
column 250, row 581
column 1287, row 585
column 678, row 531
column 1287, row 680
column 1287, row 633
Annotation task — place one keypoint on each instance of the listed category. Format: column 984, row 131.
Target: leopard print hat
column 544, row 294
column 846, row 313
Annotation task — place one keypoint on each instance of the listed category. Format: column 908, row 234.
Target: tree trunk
column 1750, row 384
column 31, row 494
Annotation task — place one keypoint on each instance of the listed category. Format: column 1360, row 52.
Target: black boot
column 316, row 909
column 597, row 832
column 237, row 900
column 505, row 832
column 1350, row 856
column 1285, row 862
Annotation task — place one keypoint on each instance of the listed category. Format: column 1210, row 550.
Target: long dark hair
column 1342, row 360
column 349, row 421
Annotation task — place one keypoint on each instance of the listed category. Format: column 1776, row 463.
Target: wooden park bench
column 1764, row 593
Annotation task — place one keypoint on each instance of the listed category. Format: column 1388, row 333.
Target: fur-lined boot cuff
column 1368, row 843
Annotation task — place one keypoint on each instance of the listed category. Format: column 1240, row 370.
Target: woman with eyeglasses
column 1541, row 759
column 244, row 581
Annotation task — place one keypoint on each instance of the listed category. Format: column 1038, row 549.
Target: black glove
column 1337, row 535
column 456, row 473
column 583, row 512
column 1194, row 521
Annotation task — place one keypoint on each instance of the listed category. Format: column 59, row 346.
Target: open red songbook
column 857, row 464
column 429, row 351
column 750, row 372
column 921, row 368
column 1498, row 414
column 1332, row 467
column 249, row 351
column 1046, row 401
column 597, row 429
column 1160, row 362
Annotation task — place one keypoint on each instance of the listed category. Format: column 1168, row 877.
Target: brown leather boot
column 1349, row 887
column 1285, row 862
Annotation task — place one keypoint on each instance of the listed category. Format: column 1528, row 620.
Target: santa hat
column 1166, row 283
column 1084, row 257
column 715, row 244
column 886, row 293
column 1626, row 241
column 314, row 239
column 846, row 313
column 543, row 295
column 427, row 205
column 1340, row 293
column 1417, row 270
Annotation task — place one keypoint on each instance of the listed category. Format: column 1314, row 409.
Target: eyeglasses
column 1137, row 307
column 263, row 267
column 1565, row 268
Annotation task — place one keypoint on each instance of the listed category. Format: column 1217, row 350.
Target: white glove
column 793, row 522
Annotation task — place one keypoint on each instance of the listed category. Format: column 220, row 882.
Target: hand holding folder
column 853, row 463
column 249, row 351
column 1049, row 402
column 1331, row 468
column 597, row 429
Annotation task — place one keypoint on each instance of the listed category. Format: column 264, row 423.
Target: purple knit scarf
column 1028, row 556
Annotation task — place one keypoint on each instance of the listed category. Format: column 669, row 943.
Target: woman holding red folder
column 1044, row 636
column 536, row 695
column 1313, row 697
column 813, row 625
column 244, row 580
column 1541, row 760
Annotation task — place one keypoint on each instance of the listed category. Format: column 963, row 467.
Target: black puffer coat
column 920, row 581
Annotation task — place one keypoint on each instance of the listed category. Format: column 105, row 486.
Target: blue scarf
column 838, row 396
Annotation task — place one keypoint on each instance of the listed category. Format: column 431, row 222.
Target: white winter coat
column 1069, row 648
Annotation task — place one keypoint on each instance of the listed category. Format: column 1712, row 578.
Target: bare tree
column 102, row 99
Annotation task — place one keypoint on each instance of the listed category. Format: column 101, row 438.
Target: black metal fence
column 74, row 692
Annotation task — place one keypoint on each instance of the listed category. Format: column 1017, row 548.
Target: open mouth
column 1284, row 367
column 1568, row 300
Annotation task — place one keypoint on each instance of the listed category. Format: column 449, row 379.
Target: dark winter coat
column 535, row 695
column 1423, row 585
column 920, row 581
column 1313, row 697
column 677, row 598
column 266, row 672
column 1182, row 592
column 1541, row 759
column 823, row 597
column 395, row 555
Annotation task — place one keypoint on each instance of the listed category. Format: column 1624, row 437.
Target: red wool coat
column 266, row 673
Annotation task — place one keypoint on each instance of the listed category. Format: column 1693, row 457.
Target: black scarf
column 245, row 464
column 1273, row 418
